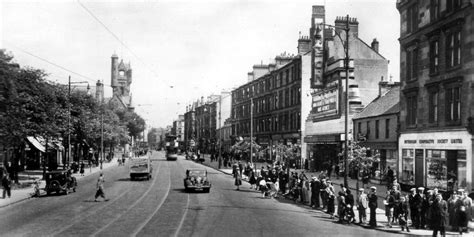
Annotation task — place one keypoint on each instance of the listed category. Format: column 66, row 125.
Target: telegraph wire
column 115, row 36
column 54, row 64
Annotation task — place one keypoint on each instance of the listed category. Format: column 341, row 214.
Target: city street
column 160, row 207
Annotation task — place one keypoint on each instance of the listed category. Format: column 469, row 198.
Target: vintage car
column 197, row 180
column 60, row 181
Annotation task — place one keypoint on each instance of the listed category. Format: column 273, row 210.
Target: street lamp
column 346, row 98
column 69, row 117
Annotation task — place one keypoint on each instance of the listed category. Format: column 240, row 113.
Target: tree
column 359, row 159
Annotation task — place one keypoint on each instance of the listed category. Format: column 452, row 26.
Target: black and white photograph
column 217, row 118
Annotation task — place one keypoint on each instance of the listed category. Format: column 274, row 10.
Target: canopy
column 36, row 144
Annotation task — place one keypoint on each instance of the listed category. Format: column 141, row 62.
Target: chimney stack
column 375, row 45
column 304, row 45
column 341, row 22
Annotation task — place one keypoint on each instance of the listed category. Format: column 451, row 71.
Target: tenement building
column 436, row 100
column 275, row 91
column 325, row 124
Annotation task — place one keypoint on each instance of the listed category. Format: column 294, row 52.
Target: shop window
column 461, row 168
column 436, row 169
column 433, row 107
column 408, row 163
column 434, row 56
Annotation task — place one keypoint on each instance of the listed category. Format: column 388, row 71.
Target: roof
column 382, row 105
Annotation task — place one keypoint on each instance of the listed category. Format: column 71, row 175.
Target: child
column 403, row 214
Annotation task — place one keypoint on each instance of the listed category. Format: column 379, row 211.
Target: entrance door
column 419, row 171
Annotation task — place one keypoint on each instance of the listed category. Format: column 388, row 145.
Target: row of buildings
column 421, row 126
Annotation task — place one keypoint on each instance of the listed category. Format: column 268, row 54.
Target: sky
column 179, row 50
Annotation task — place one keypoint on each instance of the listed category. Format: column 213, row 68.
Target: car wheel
column 48, row 192
column 74, row 189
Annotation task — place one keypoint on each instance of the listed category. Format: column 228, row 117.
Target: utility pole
column 251, row 131
column 220, row 132
column 68, row 124
column 346, row 100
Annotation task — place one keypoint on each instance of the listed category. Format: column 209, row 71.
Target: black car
column 197, row 180
column 60, row 181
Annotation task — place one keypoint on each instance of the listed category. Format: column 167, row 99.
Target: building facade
column 325, row 123
column 121, row 79
column 205, row 125
column 437, row 87
column 274, row 91
column 376, row 128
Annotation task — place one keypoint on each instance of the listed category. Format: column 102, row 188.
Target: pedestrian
column 419, row 218
column 241, row 168
column 395, row 192
column 252, row 179
column 350, row 205
column 341, row 206
column 453, row 197
column 323, row 193
column 463, row 216
column 82, row 168
column 336, row 170
column 403, row 213
column 372, row 197
column 362, row 204
column 365, row 177
column 100, row 188
column 329, row 170
column 331, row 198
column 390, row 177
column 425, row 205
column 238, row 179
column 439, row 214
column 389, row 203
column 6, row 184
column 413, row 203
column 315, row 189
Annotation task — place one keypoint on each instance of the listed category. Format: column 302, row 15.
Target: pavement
column 382, row 223
column 25, row 190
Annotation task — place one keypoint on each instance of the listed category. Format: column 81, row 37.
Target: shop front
column 323, row 150
column 388, row 157
column 440, row 160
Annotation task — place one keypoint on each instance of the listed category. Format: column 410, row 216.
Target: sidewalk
column 27, row 178
column 381, row 190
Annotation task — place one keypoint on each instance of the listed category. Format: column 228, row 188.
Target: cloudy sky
column 179, row 50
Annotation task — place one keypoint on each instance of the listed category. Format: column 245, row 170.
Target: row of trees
column 32, row 106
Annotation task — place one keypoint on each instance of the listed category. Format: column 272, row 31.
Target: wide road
column 160, row 207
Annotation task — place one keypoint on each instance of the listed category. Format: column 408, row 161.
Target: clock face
column 121, row 73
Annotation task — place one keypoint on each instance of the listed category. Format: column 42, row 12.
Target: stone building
column 325, row 124
column 436, row 101
column 121, row 79
column 190, row 127
column 376, row 128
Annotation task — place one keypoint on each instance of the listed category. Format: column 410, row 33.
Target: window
column 408, row 158
column 434, row 56
column 368, row 129
column 453, row 104
column 376, row 129
column 411, row 110
column 359, row 128
column 436, row 169
column 412, row 64
column 453, row 49
column 433, row 107
column 412, row 18
column 434, row 9
column 387, row 128
column 452, row 5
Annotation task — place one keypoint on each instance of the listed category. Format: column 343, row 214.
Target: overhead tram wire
column 54, row 64
column 116, row 37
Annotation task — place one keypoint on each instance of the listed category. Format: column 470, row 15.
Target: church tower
column 121, row 79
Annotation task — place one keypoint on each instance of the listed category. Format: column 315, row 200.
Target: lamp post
column 346, row 97
column 69, row 118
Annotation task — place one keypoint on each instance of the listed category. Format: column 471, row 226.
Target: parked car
column 197, row 180
column 60, row 181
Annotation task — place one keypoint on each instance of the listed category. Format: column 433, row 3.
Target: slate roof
column 389, row 103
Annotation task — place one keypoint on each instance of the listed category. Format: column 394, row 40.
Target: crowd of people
column 427, row 209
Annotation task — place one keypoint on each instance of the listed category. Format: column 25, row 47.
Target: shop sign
column 432, row 141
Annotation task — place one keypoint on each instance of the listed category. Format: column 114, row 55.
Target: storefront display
column 408, row 175
column 436, row 169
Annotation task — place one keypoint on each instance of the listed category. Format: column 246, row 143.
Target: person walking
column 439, row 215
column 362, row 204
column 6, row 184
column 372, row 197
column 238, row 178
column 100, row 188
column 413, row 203
column 389, row 204
column 81, row 170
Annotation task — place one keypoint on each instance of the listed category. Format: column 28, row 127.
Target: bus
column 171, row 147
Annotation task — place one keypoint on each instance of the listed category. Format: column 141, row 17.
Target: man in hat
column 362, row 204
column 420, row 217
column 412, row 199
column 373, row 206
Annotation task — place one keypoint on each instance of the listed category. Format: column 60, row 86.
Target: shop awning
column 36, row 144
